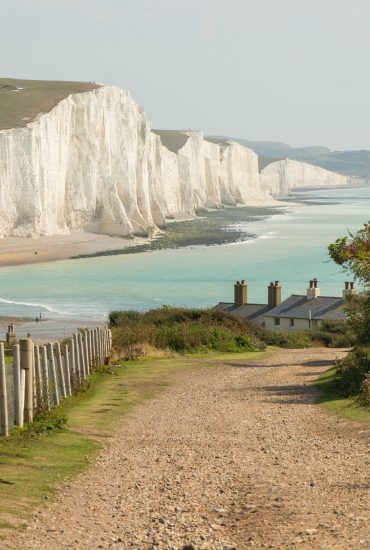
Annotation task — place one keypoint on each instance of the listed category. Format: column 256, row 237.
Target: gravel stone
column 224, row 458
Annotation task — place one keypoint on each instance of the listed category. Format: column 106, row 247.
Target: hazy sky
column 286, row 70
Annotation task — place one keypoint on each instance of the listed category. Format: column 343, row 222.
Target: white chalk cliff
column 279, row 177
column 94, row 163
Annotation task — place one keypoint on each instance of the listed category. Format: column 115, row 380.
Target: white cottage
column 298, row 312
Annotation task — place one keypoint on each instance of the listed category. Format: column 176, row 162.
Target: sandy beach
column 23, row 250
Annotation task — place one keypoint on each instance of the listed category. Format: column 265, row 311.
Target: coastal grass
column 22, row 100
column 330, row 334
column 181, row 330
column 333, row 402
column 35, row 460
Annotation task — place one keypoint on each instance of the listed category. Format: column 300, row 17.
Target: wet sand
column 23, row 250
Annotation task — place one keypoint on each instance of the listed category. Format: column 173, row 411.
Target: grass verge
column 333, row 402
column 34, row 463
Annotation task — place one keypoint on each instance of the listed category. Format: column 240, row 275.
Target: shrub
column 352, row 370
column 182, row 330
column 333, row 334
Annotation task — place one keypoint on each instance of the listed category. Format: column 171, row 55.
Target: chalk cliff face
column 280, row 177
column 93, row 163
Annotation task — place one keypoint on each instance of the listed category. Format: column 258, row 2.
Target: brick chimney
column 240, row 293
column 313, row 291
column 274, row 294
column 349, row 289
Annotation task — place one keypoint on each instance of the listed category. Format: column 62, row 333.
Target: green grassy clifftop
column 22, row 100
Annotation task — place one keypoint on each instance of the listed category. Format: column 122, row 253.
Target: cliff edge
column 84, row 156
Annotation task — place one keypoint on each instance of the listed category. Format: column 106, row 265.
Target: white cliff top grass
column 22, row 100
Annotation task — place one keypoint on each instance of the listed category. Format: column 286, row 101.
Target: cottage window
column 291, row 322
column 276, row 321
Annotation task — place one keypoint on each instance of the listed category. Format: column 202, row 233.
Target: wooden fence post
column 67, row 370
column 45, row 378
column 72, row 364
column 38, row 378
column 109, row 342
column 4, row 425
column 77, row 358
column 86, row 349
column 82, row 356
column 101, row 345
column 54, row 373
column 93, row 340
column 60, row 370
column 26, row 358
column 18, row 389
column 105, row 345
column 98, row 332
column 89, row 332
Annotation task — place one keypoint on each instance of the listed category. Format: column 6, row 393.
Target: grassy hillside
column 22, row 100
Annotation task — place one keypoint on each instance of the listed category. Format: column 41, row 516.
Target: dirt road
column 236, row 456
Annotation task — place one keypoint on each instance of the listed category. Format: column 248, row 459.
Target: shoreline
column 209, row 228
column 24, row 251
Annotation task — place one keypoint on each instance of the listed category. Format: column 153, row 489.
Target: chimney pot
column 352, row 285
column 274, row 294
column 240, row 293
column 313, row 291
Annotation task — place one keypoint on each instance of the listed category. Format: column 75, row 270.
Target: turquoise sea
column 291, row 248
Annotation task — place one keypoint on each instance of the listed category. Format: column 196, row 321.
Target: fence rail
column 40, row 376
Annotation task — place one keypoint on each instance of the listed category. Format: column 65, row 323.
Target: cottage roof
column 250, row 312
column 298, row 307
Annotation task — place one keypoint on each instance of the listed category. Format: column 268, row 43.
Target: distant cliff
column 92, row 162
column 355, row 164
column 281, row 176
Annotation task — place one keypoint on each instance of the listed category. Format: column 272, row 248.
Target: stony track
column 236, row 456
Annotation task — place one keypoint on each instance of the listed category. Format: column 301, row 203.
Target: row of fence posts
column 43, row 375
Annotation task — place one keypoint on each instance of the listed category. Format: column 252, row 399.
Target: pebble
column 223, row 459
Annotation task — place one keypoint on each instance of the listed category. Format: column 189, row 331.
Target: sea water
column 290, row 247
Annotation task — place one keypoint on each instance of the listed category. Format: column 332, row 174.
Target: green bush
column 182, row 330
column 45, row 423
column 332, row 334
column 351, row 371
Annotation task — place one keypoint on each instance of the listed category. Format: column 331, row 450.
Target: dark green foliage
column 331, row 334
column 182, row 330
column 353, row 254
column 45, row 423
column 187, row 330
column 358, row 312
column 351, row 371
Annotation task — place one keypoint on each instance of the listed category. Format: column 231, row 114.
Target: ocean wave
column 43, row 307
column 268, row 236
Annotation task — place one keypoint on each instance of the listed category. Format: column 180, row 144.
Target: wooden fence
column 40, row 376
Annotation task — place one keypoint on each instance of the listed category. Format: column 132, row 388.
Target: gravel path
column 236, row 456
